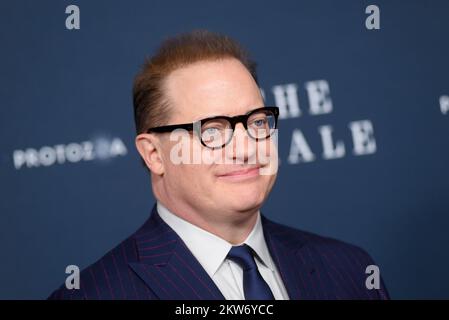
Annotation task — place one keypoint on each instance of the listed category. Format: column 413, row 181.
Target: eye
column 210, row 134
column 211, row 131
column 260, row 122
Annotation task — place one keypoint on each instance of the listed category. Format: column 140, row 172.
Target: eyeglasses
column 216, row 132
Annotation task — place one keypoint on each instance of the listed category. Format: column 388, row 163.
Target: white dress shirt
column 211, row 251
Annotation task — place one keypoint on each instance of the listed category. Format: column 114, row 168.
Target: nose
column 241, row 149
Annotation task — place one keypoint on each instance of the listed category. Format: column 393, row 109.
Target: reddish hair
column 151, row 107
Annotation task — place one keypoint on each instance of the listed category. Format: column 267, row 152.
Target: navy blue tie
column 254, row 286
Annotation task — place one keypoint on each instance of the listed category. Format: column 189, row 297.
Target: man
column 209, row 144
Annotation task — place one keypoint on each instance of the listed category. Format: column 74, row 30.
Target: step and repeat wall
column 363, row 89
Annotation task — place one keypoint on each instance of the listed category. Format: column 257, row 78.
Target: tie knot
column 243, row 256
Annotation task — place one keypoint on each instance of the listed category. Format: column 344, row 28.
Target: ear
column 149, row 148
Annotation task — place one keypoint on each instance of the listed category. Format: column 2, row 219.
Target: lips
column 241, row 172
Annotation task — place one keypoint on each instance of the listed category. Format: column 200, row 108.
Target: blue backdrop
column 71, row 182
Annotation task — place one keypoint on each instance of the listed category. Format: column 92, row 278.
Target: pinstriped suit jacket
column 154, row 263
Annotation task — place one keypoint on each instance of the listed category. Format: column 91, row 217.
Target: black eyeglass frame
column 196, row 126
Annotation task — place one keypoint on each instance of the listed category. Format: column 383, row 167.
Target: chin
column 242, row 201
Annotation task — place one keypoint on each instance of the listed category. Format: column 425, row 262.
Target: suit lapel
column 296, row 262
column 168, row 267
column 170, row 270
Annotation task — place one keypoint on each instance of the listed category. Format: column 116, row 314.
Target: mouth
column 242, row 174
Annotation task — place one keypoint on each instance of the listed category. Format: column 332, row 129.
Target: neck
column 233, row 227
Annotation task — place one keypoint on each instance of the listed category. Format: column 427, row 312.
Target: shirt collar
column 256, row 241
column 209, row 249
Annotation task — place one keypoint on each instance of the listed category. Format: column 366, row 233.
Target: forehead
column 211, row 88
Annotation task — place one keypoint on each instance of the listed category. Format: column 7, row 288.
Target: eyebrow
column 225, row 115
column 206, row 117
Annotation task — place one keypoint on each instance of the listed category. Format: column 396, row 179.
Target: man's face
column 233, row 184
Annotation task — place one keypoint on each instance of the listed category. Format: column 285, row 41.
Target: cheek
column 195, row 179
column 267, row 148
